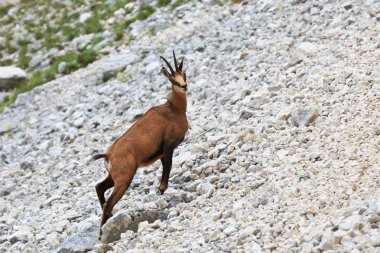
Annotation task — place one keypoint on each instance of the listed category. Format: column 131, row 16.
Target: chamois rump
column 154, row 136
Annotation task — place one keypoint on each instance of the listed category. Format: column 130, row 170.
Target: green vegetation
column 23, row 42
column 304, row 177
column 93, row 25
column 70, row 32
column 23, row 59
column 178, row 3
column 86, row 57
column 162, row 3
column 145, row 12
column 243, row 194
column 73, row 61
column 108, row 11
column 38, row 34
column 377, row 133
column 10, row 49
column 96, row 40
column 6, row 62
column 119, row 29
column 7, row 20
column 35, row 80
column 64, row 27
column 4, row 9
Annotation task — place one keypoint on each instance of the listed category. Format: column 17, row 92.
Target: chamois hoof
column 162, row 189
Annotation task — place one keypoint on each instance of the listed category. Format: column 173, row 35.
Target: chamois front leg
column 166, row 161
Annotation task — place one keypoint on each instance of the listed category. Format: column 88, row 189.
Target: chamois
column 154, row 136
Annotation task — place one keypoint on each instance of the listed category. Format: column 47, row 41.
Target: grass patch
column 377, row 133
column 96, row 40
column 35, row 80
column 23, row 42
column 70, row 32
column 51, row 41
column 86, row 57
column 92, row 24
column 4, row 9
column 49, row 74
column 8, row 20
column 70, row 58
column 73, row 62
column 118, row 4
column 108, row 11
column 67, row 27
column 6, row 62
column 71, row 67
column 119, row 29
column 23, row 59
column 162, row 3
column 10, row 49
column 38, row 34
column 178, row 3
column 145, row 12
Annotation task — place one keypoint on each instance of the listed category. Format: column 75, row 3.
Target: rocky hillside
column 50, row 39
column 282, row 154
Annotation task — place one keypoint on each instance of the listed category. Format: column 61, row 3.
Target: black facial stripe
column 176, row 83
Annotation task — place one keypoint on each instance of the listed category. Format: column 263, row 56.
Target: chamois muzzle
column 183, row 87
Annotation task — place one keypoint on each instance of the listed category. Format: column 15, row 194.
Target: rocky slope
column 50, row 39
column 282, row 154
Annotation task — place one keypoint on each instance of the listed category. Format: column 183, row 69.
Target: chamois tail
column 98, row 156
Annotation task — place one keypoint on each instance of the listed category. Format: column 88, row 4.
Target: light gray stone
column 303, row 117
column 84, row 17
column 230, row 230
column 11, row 76
column 62, row 67
column 82, row 241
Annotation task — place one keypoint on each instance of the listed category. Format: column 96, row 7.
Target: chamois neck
column 178, row 100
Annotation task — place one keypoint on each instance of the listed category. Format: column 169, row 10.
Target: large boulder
column 11, row 76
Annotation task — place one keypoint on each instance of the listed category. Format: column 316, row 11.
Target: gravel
column 247, row 178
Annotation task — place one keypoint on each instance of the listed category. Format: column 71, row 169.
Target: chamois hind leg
column 102, row 187
column 122, row 183
column 166, row 161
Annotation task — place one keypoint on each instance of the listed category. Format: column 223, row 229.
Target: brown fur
column 154, row 136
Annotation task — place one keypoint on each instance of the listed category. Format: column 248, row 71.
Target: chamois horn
column 167, row 63
column 175, row 62
column 181, row 64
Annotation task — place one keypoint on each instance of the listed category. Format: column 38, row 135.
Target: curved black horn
column 167, row 63
column 175, row 62
column 181, row 64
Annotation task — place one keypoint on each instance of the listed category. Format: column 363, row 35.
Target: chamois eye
column 184, row 76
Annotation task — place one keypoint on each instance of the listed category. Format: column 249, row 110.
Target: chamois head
column 177, row 77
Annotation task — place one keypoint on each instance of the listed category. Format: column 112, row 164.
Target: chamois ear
column 165, row 72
